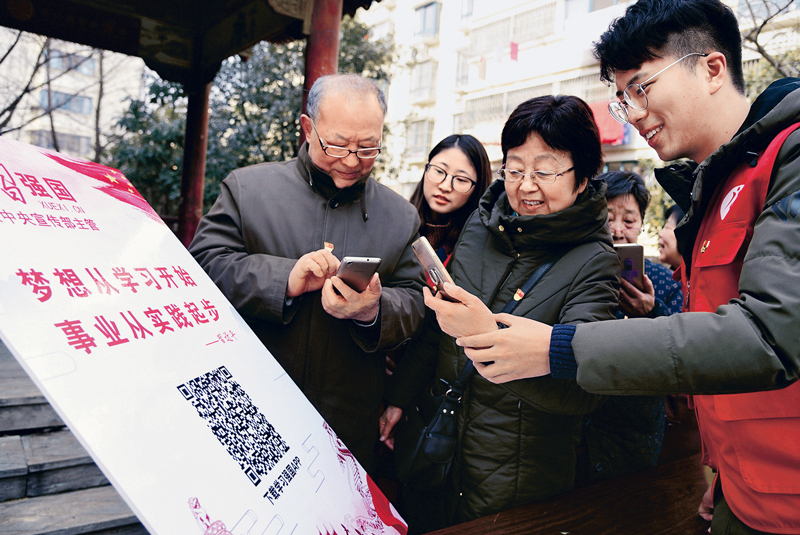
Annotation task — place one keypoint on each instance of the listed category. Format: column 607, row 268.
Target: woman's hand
column 466, row 317
column 388, row 420
column 634, row 302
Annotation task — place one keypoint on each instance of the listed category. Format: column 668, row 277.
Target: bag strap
column 457, row 388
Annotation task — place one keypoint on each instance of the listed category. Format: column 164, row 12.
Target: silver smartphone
column 433, row 266
column 632, row 256
column 357, row 271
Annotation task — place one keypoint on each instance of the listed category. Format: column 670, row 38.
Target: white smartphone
column 357, row 271
column 433, row 266
column 632, row 256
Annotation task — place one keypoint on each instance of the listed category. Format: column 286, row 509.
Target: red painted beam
column 322, row 47
column 194, row 164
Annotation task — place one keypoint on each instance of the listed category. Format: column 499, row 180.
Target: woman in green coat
column 517, row 440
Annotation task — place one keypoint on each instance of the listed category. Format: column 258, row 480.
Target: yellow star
column 111, row 177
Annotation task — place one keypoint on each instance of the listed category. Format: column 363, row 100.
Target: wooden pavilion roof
column 182, row 40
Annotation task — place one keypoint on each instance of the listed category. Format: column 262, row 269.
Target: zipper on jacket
column 504, row 280
column 688, row 283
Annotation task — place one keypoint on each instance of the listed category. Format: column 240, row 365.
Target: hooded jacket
column 517, row 440
column 747, row 344
column 269, row 215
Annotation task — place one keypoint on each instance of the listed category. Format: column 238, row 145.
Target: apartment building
column 466, row 64
column 74, row 92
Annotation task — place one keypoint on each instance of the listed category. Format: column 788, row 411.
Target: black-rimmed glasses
column 341, row 152
column 437, row 175
column 537, row 177
column 635, row 96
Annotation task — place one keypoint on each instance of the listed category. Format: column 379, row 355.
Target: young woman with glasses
column 455, row 177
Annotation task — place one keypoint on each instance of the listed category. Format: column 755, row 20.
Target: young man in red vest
column 677, row 68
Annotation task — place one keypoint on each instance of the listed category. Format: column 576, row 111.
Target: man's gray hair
column 342, row 83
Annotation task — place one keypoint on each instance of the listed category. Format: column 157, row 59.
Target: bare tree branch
column 751, row 38
column 7, row 113
column 11, row 46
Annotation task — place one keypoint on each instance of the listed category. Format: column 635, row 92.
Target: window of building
column 423, row 81
column 597, row 5
column 418, row 138
column 527, row 26
column 462, row 69
column 534, row 24
column 484, row 109
column 748, row 10
column 458, row 123
column 589, row 87
column 427, row 20
column 62, row 61
column 484, row 39
column 576, row 7
column 466, row 8
column 66, row 102
column 382, row 30
column 79, row 145
column 515, row 98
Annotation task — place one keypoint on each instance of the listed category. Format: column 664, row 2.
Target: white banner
column 161, row 380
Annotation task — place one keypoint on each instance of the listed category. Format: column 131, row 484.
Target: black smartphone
column 357, row 271
column 632, row 256
column 433, row 266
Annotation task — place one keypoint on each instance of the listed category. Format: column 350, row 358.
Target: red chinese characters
column 127, row 279
column 116, row 333
column 35, row 279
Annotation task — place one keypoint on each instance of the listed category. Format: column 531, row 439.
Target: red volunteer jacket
column 753, row 440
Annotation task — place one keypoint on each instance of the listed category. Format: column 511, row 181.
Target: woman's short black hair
column 621, row 183
column 474, row 151
column 653, row 29
column 673, row 211
column 565, row 123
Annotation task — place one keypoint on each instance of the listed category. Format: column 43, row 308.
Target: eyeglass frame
column 325, row 147
column 530, row 175
column 452, row 178
column 626, row 102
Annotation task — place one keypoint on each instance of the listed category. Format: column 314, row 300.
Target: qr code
column 236, row 422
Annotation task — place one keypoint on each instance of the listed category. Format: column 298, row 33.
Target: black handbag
column 426, row 435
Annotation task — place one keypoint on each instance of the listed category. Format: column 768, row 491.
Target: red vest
column 753, row 440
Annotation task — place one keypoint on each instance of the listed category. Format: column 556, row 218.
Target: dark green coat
column 517, row 440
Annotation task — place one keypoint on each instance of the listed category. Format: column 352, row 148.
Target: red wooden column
column 322, row 47
column 194, row 164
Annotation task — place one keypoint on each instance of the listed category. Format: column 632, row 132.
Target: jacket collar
column 322, row 183
column 586, row 220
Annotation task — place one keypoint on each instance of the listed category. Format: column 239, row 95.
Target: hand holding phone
column 632, row 256
column 434, row 268
column 357, row 271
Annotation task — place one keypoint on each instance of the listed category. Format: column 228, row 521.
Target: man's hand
column 518, row 352
column 388, row 420
column 706, row 509
column 635, row 303
column 466, row 317
column 311, row 271
column 348, row 304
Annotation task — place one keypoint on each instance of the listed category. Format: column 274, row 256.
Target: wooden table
column 660, row 500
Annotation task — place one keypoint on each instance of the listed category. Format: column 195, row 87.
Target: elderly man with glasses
column 274, row 240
